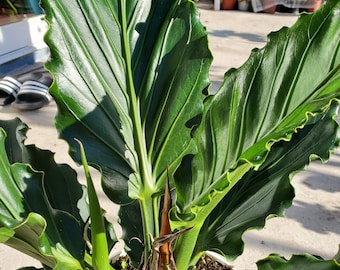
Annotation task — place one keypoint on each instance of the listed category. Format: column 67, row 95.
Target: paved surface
column 311, row 225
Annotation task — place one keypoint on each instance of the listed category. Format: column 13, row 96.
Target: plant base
column 205, row 263
column 208, row 263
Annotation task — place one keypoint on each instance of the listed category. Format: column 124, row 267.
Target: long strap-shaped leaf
column 267, row 100
column 267, row 191
column 100, row 252
column 129, row 76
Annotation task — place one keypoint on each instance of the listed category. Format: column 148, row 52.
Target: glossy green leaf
column 60, row 180
column 132, row 230
column 131, row 80
column 129, row 101
column 30, row 239
column 266, row 101
column 100, row 251
column 25, row 236
column 276, row 262
column 267, row 191
column 28, row 221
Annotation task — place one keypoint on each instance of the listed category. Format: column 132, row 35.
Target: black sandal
column 9, row 88
column 33, row 94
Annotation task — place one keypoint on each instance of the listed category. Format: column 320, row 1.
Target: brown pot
column 228, row 4
column 270, row 10
column 317, row 5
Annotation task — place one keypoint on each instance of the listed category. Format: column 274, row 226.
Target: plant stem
column 148, row 225
column 12, row 6
column 155, row 215
column 88, row 259
column 100, row 254
column 187, row 243
column 144, row 168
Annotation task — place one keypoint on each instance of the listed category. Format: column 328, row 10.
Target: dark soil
column 123, row 262
column 205, row 263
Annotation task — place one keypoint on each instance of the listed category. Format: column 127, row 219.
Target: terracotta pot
column 228, row 4
column 270, row 10
column 317, row 5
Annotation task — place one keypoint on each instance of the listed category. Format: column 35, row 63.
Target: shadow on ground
column 230, row 33
column 315, row 217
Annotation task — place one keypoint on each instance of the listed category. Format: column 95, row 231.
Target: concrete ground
column 311, row 225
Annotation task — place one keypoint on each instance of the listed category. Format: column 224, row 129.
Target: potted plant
column 228, row 4
column 269, row 7
column 316, row 6
column 191, row 171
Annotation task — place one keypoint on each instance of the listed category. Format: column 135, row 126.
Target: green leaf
column 30, row 239
column 276, row 262
column 28, row 222
column 132, row 230
column 131, row 80
column 131, row 112
column 100, row 252
column 267, row 191
column 25, row 237
column 266, row 101
column 60, row 180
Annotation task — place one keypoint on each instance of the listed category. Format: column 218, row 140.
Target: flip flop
column 10, row 86
column 33, row 94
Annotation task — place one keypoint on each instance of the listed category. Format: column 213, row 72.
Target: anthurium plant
column 191, row 171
